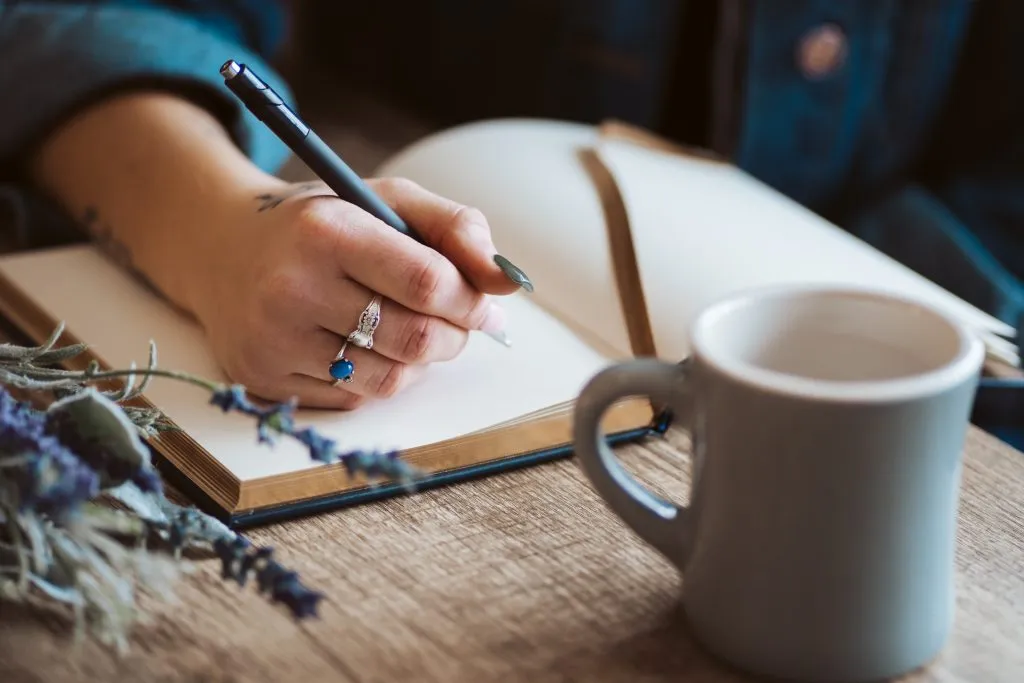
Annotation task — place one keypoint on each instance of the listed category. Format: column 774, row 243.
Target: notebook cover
column 303, row 508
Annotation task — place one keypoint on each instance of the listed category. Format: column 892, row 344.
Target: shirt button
column 822, row 50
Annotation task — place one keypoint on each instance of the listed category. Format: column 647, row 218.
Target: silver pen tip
column 500, row 337
column 230, row 69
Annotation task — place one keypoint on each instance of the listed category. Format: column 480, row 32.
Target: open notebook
column 625, row 243
column 627, row 237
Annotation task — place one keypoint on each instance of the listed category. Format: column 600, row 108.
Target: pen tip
column 500, row 337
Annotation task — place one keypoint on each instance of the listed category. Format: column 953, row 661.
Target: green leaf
column 146, row 505
column 113, row 521
column 66, row 594
column 97, row 430
column 35, row 531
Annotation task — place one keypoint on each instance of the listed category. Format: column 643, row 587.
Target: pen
column 267, row 106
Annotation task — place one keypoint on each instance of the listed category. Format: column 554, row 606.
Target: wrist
column 220, row 233
column 155, row 178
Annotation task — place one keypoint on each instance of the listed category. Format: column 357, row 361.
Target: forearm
column 151, row 177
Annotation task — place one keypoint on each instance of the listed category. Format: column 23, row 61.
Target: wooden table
column 520, row 577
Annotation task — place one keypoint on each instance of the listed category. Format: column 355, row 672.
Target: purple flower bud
column 233, row 558
column 284, row 586
column 230, row 398
column 321, row 448
column 51, row 479
column 279, row 419
column 239, row 559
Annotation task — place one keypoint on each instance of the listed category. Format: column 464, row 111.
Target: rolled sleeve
column 56, row 58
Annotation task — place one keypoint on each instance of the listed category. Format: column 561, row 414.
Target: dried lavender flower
column 279, row 419
column 239, row 559
column 55, row 463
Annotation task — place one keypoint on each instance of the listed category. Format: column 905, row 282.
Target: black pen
column 266, row 105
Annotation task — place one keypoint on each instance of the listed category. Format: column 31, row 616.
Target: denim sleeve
column 56, row 58
column 921, row 228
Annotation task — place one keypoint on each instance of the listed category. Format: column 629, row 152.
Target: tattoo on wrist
column 104, row 237
column 271, row 200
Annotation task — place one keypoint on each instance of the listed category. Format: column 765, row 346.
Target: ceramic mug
column 828, row 427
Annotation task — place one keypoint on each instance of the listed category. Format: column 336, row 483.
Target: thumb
column 460, row 233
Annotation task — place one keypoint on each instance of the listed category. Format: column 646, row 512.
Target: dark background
column 450, row 61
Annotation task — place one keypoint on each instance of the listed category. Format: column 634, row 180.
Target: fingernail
column 494, row 325
column 513, row 272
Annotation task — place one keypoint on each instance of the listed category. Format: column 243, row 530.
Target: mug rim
column 968, row 360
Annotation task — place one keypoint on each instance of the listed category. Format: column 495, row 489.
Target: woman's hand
column 290, row 272
column 277, row 274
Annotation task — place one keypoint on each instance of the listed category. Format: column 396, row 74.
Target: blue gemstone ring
column 341, row 368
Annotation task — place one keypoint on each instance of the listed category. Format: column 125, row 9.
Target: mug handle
column 661, row 523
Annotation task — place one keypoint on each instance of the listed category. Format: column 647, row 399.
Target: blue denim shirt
column 914, row 141
column 56, row 57
column 915, row 144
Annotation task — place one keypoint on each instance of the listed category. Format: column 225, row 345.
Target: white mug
column 828, row 427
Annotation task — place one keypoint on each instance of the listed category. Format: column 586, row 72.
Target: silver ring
column 341, row 368
column 368, row 321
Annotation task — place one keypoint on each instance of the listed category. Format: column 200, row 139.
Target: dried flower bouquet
column 84, row 522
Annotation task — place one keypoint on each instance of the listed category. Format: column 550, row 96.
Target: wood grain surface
column 520, row 577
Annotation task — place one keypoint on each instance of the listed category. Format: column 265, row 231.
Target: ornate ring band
column 341, row 368
column 368, row 321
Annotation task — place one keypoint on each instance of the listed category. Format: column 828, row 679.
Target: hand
column 277, row 274
column 294, row 266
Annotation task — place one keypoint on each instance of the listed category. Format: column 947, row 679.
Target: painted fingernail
column 494, row 325
column 513, row 272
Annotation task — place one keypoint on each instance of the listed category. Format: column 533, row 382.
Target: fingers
column 462, row 234
column 317, row 392
column 375, row 376
column 307, row 377
column 402, row 335
column 310, row 392
column 385, row 261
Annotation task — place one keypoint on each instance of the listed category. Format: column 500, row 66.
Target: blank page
column 486, row 385
column 703, row 230
column 544, row 210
